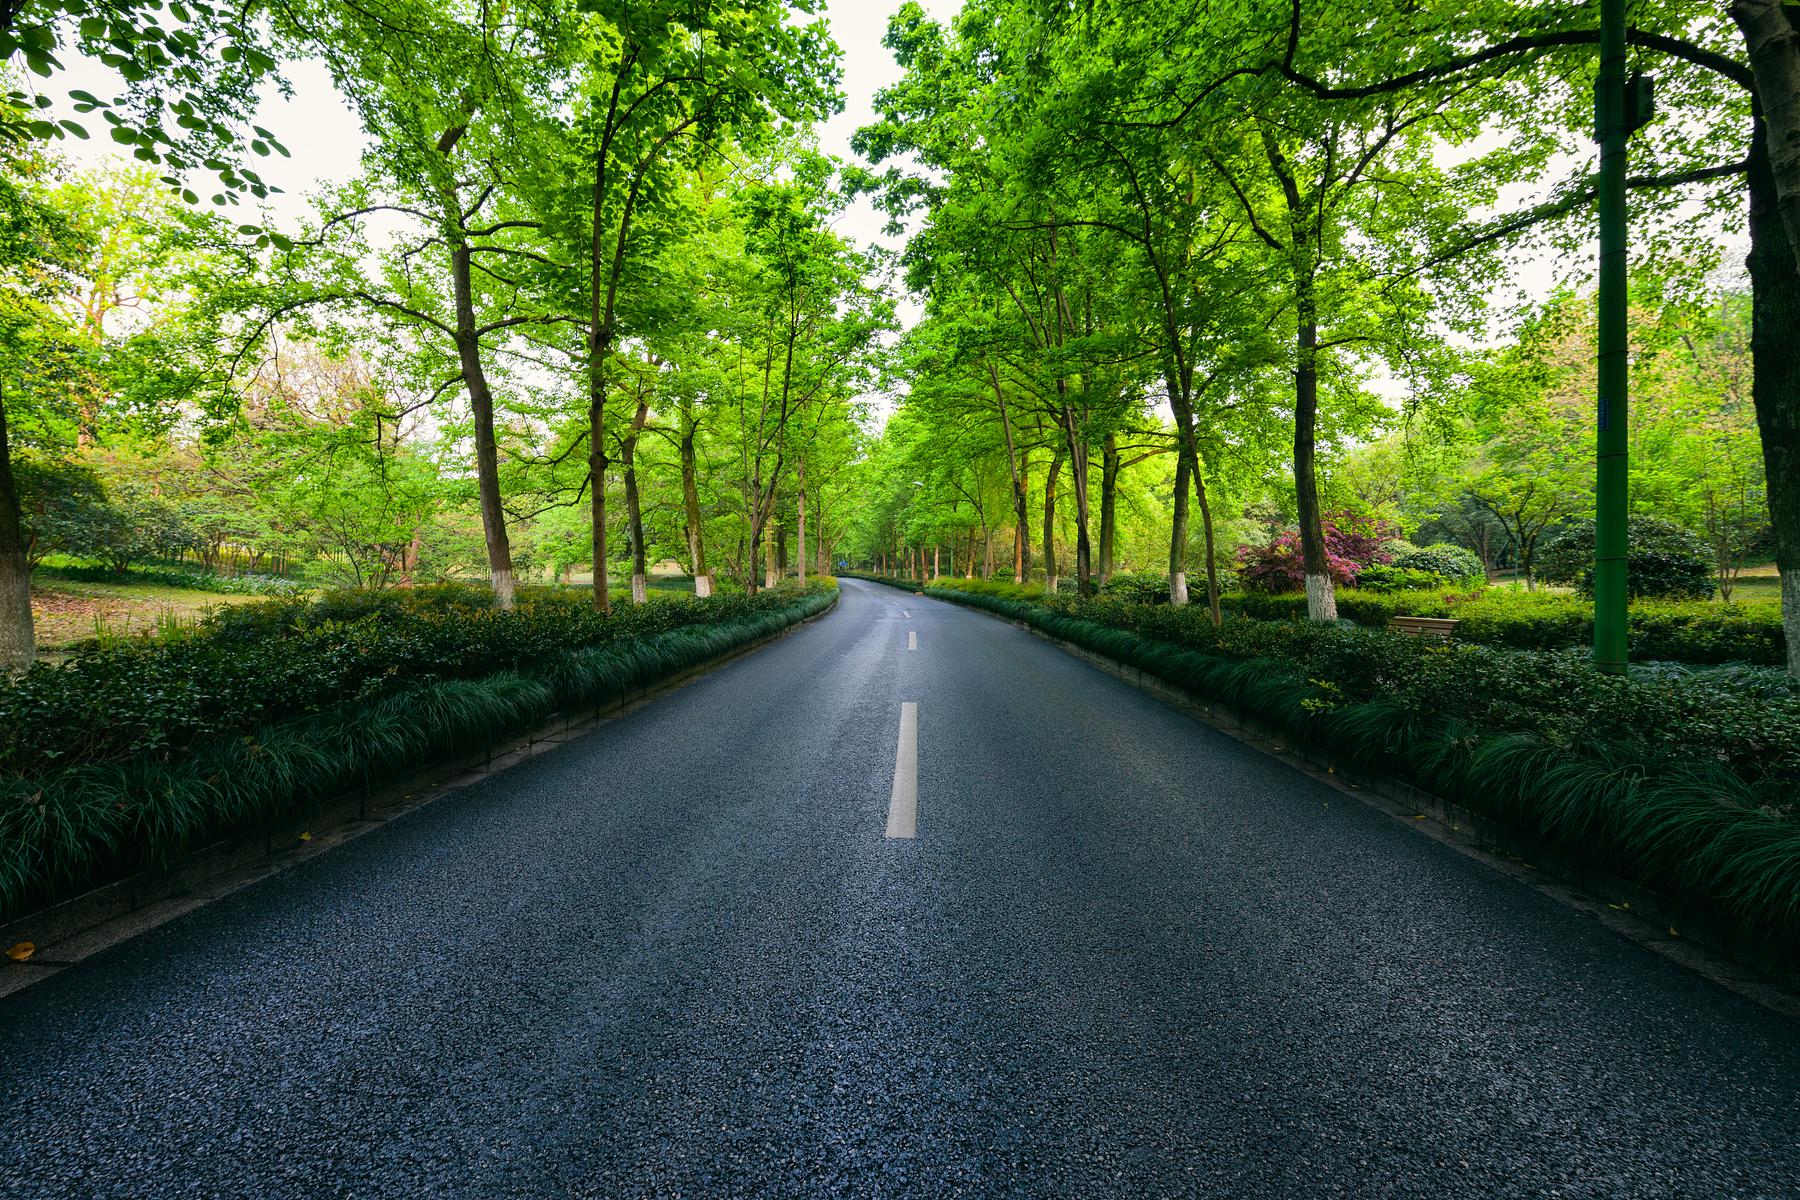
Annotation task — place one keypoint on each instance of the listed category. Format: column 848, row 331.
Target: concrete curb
column 1644, row 917
column 82, row 926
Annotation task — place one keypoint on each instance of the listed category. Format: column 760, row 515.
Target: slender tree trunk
column 1212, row 550
column 481, row 404
column 1050, row 523
column 1178, row 534
column 18, row 639
column 1775, row 352
column 690, row 498
column 1078, row 477
column 1321, row 597
column 1109, row 481
column 1017, row 468
column 800, row 523
column 1022, row 521
column 634, row 512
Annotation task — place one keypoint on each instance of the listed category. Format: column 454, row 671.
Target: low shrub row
column 1685, row 782
column 69, row 828
column 1668, row 630
column 253, row 664
column 1686, row 631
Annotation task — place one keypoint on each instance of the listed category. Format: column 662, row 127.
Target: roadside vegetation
column 1681, row 780
column 131, row 755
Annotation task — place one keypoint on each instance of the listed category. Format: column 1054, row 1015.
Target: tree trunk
column 1178, row 534
column 1078, row 477
column 1775, row 351
column 1050, row 523
column 1769, row 36
column 1017, row 466
column 481, row 403
column 634, row 512
column 690, row 498
column 1022, row 521
column 1109, row 480
column 800, row 524
column 1212, row 550
column 18, row 640
column 1321, row 597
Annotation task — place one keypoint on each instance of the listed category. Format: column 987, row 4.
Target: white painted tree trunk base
column 703, row 586
column 640, row 589
column 1321, row 598
column 1178, row 593
column 1790, row 618
column 1050, row 585
column 503, row 589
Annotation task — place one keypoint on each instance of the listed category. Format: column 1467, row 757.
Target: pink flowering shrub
column 1351, row 543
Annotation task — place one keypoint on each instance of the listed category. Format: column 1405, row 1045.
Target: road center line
column 903, row 805
column 912, row 639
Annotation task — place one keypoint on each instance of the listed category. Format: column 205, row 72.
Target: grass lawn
column 1757, row 583
column 66, row 612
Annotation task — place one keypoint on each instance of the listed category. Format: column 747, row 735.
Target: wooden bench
column 1438, row 627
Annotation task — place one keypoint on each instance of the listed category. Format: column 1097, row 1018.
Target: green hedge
column 1684, row 782
column 254, row 664
column 1686, row 631
column 65, row 829
column 1666, row 630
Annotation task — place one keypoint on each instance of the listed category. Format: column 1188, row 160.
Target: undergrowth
column 65, row 828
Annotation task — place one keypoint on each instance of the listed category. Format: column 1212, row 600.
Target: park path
column 1120, row 955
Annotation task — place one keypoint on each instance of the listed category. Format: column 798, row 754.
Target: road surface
column 1120, row 955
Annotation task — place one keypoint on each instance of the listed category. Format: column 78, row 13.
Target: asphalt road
column 1123, row 956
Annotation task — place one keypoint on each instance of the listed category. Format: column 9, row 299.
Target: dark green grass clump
column 65, row 828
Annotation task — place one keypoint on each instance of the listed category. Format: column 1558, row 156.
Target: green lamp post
column 1621, row 106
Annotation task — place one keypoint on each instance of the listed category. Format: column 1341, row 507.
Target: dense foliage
column 255, row 664
column 130, row 802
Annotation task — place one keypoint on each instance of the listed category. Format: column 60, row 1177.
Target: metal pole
column 1610, row 517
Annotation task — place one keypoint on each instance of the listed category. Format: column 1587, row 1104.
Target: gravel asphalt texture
column 1125, row 956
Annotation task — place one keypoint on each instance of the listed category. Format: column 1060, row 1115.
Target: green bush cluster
column 1445, row 563
column 1701, row 632
column 67, row 828
column 1662, row 559
column 1385, row 578
column 254, row 664
column 1683, row 781
column 1142, row 588
column 1673, row 630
